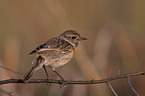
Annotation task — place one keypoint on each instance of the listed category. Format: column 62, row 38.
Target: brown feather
column 37, row 64
column 55, row 52
column 54, row 43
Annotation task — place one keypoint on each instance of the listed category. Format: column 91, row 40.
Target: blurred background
column 115, row 30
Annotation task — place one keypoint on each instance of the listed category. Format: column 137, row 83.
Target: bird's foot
column 62, row 83
column 48, row 80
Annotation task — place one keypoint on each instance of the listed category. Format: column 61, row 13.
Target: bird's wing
column 53, row 44
column 45, row 46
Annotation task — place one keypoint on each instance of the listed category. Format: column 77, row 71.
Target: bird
column 55, row 53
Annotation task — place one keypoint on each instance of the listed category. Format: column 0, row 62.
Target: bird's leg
column 62, row 83
column 47, row 76
column 58, row 74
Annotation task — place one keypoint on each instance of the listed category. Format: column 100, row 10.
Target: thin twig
column 11, row 70
column 71, row 81
column 111, row 88
column 128, row 81
column 6, row 92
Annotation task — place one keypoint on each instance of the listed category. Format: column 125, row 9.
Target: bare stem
column 11, row 70
column 72, row 81
column 6, row 92
column 111, row 88
column 128, row 81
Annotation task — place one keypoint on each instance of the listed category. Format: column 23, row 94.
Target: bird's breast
column 58, row 59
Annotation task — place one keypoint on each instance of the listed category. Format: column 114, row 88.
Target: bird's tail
column 37, row 63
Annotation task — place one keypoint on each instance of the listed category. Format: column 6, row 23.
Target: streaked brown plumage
column 55, row 52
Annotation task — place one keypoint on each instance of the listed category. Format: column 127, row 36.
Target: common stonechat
column 55, row 52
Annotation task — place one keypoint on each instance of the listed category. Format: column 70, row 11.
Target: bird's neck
column 74, row 45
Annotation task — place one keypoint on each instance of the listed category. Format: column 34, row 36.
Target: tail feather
column 37, row 64
column 30, row 73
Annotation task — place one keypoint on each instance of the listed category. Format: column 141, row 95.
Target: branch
column 128, row 81
column 11, row 70
column 112, row 88
column 72, row 82
column 6, row 92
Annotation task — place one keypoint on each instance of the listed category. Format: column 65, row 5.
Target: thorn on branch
column 93, row 80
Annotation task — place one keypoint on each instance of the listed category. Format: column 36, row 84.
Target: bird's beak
column 83, row 38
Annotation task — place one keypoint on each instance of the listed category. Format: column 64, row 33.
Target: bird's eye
column 73, row 37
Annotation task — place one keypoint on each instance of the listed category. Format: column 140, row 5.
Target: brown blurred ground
column 115, row 30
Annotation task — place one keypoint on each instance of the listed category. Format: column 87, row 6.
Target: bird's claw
column 62, row 83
